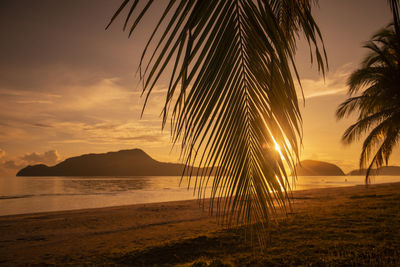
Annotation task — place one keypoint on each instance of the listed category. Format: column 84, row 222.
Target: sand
column 333, row 226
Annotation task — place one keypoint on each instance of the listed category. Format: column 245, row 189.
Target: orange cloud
column 50, row 157
column 9, row 166
column 333, row 84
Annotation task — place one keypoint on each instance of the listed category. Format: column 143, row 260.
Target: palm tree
column 378, row 106
column 231, row 96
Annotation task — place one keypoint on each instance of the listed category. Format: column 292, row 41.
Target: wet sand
column 332, row 226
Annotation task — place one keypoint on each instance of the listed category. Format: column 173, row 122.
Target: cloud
column 146, row 138
column 135, row 133
column 41, row 125
column 101, row 113
column 9, row 166
column 34, row 102
column 49, row 157
column 334, row 83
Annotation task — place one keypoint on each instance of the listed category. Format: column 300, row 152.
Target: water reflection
column 37, row 194
column 20, row 195
column 104, row 185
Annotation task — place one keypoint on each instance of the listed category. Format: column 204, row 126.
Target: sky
column 69, row 87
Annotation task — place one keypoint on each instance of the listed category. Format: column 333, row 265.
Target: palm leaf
column 231, row 95
column 377, row 103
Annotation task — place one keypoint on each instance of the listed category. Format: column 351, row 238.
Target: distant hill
column 317, row 168
column 384, row 170
column 134, row 162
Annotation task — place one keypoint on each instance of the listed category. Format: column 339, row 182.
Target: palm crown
column 379, row 104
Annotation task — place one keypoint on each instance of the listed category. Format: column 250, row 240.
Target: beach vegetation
column 374, row 95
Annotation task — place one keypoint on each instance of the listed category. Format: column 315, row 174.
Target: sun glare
column 279, row 182
column 277, row 148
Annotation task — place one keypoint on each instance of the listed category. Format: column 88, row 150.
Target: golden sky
column 68, row 87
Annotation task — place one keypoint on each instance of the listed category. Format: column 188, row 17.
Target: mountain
column 384, row 170
column 317, row 168
column 134, row 162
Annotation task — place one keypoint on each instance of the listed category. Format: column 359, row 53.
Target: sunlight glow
column 278, row 148
column 280, row 184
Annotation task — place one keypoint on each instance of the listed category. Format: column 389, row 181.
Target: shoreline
column 148, row 233
column 57, row 209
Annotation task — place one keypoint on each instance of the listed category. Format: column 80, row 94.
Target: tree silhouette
column 231, row 96
column 378, row 105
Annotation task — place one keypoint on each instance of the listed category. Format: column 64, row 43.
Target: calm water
column 20, row 195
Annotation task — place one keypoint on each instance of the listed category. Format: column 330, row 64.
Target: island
column 384, row 170
column 317, row 168
column 133, row 162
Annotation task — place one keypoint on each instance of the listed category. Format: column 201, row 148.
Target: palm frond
column 231, row 95
column 394, row 6
column 364, row 124
column 363, row 77
column 385, row 150
column 374, row 138
column 378, row 104
column 349, row 106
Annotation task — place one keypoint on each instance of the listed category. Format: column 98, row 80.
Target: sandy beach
column 328, row 227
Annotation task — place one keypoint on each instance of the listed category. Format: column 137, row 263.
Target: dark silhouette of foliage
column 378, row 105
column 231, row 94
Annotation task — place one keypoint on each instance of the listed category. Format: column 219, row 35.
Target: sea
column 24, row 195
